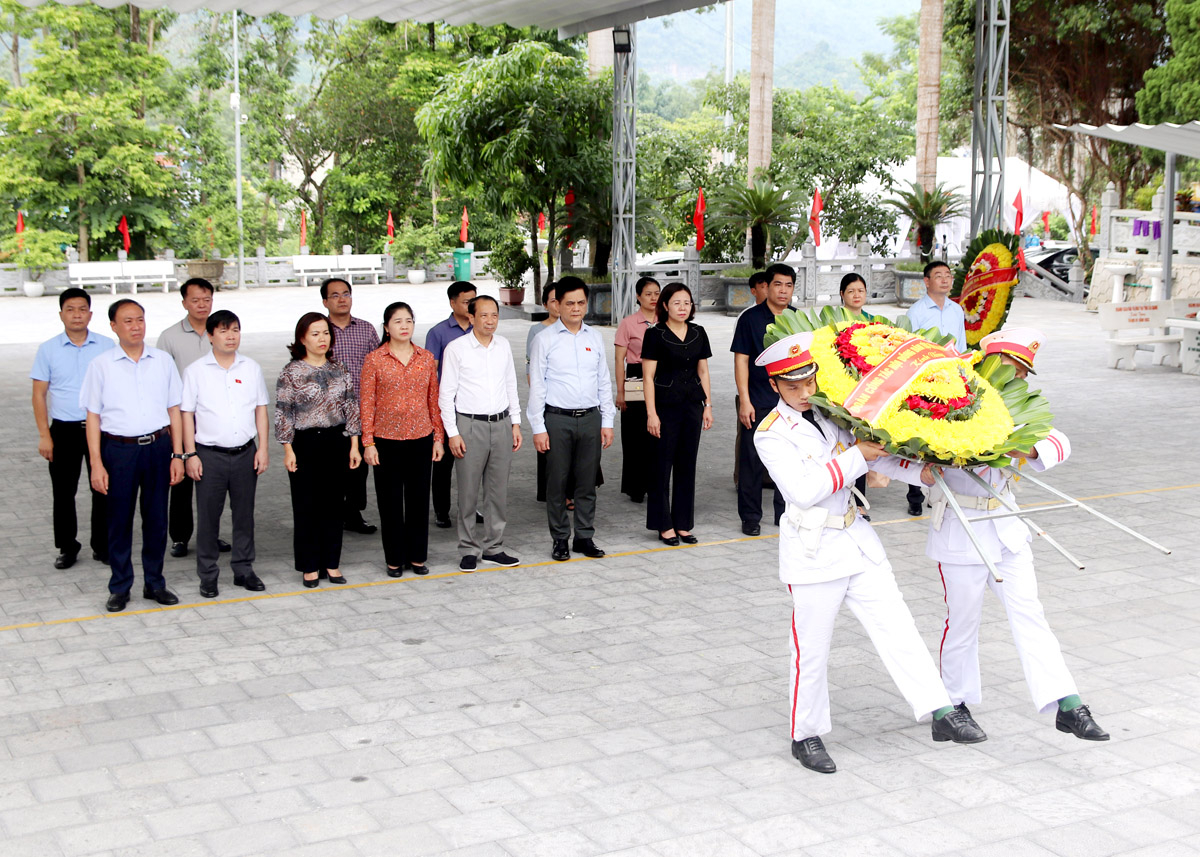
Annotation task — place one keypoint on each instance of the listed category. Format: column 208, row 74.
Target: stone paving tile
column 633, row 706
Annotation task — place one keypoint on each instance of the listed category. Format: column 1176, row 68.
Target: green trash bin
column 462, row 263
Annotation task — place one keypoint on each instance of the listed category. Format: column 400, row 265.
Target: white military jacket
column 815, row 472
column 949, row 542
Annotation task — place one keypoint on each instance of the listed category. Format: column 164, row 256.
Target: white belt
column 980, row 504
column 841, row 522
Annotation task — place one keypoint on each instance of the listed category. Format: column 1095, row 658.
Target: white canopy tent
column 1167, row 137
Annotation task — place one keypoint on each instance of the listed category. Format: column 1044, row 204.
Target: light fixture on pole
column 621, row 40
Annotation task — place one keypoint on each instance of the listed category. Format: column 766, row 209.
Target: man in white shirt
column 224, row 412
column 482, row 416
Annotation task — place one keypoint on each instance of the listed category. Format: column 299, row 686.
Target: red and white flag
column 698, row 219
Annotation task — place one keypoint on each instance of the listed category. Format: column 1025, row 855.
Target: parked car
column 1057, row 261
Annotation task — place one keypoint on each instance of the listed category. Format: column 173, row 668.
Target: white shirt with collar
column 570, row 371
column 131, row 398
column 477, row 379
column 224, row 400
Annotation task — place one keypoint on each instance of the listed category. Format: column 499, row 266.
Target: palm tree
column 759, row 207
column 929, row 83
column 762, row 80
column 927, row 209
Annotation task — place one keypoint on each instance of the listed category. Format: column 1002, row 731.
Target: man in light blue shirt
column 135, row 442
column 936, row 310
column 571, row 410
column 57, row 375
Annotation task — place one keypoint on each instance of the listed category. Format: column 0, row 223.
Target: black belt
column 228, row 450
column 140, row 440
column 487, row 418
column 570, row 412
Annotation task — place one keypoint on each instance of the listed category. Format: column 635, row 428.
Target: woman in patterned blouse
column 402, row 437
column 316, row 420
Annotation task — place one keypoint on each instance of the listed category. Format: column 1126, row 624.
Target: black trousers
column 70, row 457
column 751, row 472
column 542, row 457
column 442, row 471
column 225, row 475
column 861, row 485
column 180, row 521
column 671, row 502
column 637, row 459
column 356, row 493
column 137, row 476
column 574, row 450
column 317, row 484
column 915, row 495
column 402, row 480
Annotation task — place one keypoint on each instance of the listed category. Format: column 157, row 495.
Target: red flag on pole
column 1020, row 207
column 541, row 221
column 466, row 221
column 569, row 204
column 391, row 226
column 20, row 229
column 1093, row 220
column 123, row 228
column 814, row 218
column 698, row 219
column 1046, row 222
column 303, row 227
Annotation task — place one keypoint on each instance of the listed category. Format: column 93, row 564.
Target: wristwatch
column 182, row 456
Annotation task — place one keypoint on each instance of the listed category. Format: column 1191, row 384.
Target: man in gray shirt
column 187, row 341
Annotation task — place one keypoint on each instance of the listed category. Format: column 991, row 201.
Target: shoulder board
column 768, row 420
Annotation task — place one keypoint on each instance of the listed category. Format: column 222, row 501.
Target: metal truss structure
column 989, row 114
column 624, row 185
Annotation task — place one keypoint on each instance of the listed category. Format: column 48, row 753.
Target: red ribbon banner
column 895, row 372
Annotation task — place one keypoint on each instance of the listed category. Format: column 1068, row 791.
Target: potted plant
column 37, row 250
column 418, row 247
column 508, row 264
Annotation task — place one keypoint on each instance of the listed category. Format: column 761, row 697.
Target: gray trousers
column 574, row 447
column 232, row 475
column 483, row 484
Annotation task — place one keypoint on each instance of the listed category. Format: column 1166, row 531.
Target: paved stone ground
column 634, row 705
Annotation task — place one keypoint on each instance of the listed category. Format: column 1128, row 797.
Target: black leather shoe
column 442, row 522
column 811, row 754
column 689, row 539
column 673, row 541
column 162, row 596
column 223, row 546
column 1079, row 722
column 914, row 510
column 117, row 601
column 395, row 572
column 587, row 547
column 312, row 584
column 209, row 590
column 99, row 557
column 958, row 726
column 468, row 564
column 637, row 498
column 65, row 560
column 178, row 549
column 339, row 579
column 250, row 582
column 560, row 551
column 751, row 528
column 360, row 526
column 422, row 569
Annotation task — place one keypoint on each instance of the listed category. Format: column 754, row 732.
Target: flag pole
column 235, row 101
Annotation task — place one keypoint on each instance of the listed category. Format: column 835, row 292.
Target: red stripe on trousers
column 946, row 629
column 796, row 685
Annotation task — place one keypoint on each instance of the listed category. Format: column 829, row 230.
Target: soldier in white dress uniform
column 829, row 555
column 965, row 578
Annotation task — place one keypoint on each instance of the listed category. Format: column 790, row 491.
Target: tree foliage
column 1172, row 90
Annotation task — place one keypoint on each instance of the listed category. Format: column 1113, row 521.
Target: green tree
column 763, row 208
column 1172, row 90
column 926, row 210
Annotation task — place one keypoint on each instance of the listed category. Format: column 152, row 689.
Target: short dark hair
column 198, row 282
column 296, row 348
column 569, row 284
column 548, row 292
column 73, row 292
column 933, row 266
column 477, row 299
column 390, row 311
column 459, row 288
column 221, row 318
column 672, row 289
column 112, row 310
column 852, row 277
column 640, row 285
column 758, row 278
column 329, row 282
column 780, row 268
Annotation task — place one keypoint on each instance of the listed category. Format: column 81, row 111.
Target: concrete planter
column 416, row 276
column 33, row 289
column 212, row 270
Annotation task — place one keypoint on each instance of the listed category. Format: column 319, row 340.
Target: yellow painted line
column 412, row 578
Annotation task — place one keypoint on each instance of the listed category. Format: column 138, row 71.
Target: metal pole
column 966, row 522
column 1168, row 237
column 989, row 114
column 1015, row 511
column 728, row 68
column 235, row 101
column 624, row 186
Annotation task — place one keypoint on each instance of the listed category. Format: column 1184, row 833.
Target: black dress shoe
column 312, row 584
column 340, row 579
column 223, row 546
column 419, row 569
column 162, row 596
column 99, row 557
column 65, row 560
column 1079, row 722
column 117, row 601
column 395, row 572
column 811, row 754
column 209, row 590
column 958, row 726
column 250, row 582
column 638, row 498
column 914, row 510
column 673, row 541
column 442, row 522
column 750, row 528
column 689, row 539
column 560, row 550
column 178, row 549
column 587, row 547
column 360, row 526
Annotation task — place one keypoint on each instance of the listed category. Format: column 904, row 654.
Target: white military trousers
column 876, row 601
column 1046, row 672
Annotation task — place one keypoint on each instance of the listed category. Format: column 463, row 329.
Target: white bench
column 1132, row 325
column 85, row 274
column 314, row 266
column 364, row 264
column 150, row 271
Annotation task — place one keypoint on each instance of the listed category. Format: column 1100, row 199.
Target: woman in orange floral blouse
column 402, row 436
